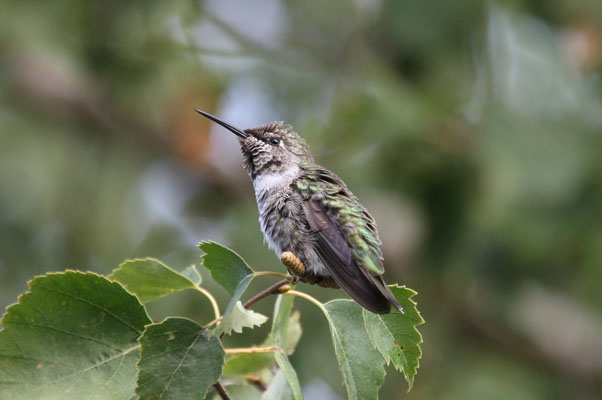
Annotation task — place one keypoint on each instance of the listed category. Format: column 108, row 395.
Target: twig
column 251, row 350
column 266, row 292
column 221, row 390
column 287, row 59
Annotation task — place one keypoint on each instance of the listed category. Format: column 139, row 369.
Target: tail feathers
column 370, row 291
column 363, row 291
column 384, row 290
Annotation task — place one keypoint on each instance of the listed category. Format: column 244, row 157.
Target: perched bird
column 308, row 211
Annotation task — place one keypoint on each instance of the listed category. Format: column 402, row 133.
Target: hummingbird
column 307, row 210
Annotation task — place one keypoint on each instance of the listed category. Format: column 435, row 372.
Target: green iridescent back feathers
column 353, row 220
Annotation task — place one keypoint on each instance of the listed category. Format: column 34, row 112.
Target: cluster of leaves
column 81, row 335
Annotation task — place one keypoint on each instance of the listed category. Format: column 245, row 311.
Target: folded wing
column 368, row 289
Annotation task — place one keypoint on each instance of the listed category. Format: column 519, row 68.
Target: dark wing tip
column 372, row 302
column 370, row 291
column 384, row 289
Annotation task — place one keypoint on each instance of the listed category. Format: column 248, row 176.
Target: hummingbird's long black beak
column 233, row 129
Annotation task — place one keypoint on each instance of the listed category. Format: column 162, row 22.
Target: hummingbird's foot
column 292, row 262
column 297, row 268
column 322, row 281
column 325, row 281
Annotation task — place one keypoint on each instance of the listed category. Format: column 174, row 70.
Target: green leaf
column 280, row 330
column 278, row 389
column 229, row 270
column 395, row 334
column 362, row 366
column 226, row 267
column 282, row 313
column 248, row 363
column 192, row 274
column 289, row 374
column 178, row 360
column 72, row 336
column 293, row 332
column 238, row 292
column 150, row 279
column 239, row 318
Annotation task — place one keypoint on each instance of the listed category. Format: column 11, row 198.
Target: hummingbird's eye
column 275, row 141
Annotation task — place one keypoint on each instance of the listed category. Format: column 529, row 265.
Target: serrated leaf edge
column 419, row 321
column 69, row 272
column 225, row 247
column 77, row 272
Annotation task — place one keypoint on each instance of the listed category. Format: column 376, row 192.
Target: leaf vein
column 179, row 365
column 93, row 305
column 146, row 358
column 35, row 359
column 93, row 366
column 62, row 331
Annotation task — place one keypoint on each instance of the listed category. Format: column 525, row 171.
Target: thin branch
column 221, row 390
column 266, row 292
column 280, row 56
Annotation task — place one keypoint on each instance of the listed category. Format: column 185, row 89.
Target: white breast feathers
column 274, row 181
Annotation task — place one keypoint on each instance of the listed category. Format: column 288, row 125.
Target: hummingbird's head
column 271, row 148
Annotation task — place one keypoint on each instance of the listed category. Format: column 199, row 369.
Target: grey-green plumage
column 332, row 196
column 308, row 210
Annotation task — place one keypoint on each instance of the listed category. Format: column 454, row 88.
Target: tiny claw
column 328, row 283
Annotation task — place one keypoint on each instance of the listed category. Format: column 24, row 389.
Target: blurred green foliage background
column 472, row 130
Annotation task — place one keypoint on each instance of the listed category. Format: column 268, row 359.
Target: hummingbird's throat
column 270, row 181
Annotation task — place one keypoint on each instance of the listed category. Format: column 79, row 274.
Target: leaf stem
column 273, row 273
column 251, row 350
column 306, row 297
column 211, row 300
column 215, row 321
